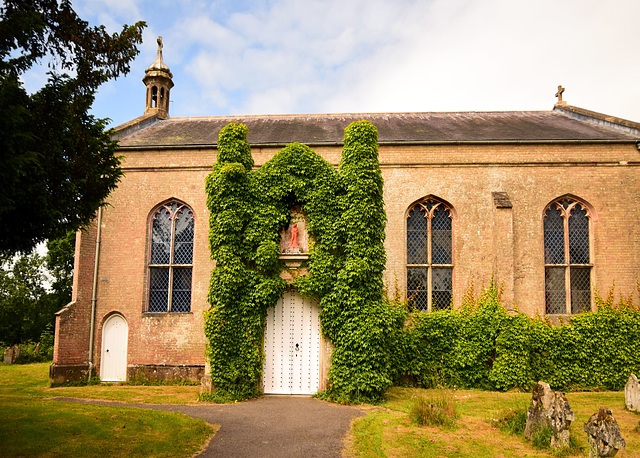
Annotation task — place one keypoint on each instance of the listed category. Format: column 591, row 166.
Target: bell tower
column 157, row 78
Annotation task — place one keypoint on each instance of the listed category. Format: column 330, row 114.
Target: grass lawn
column 388, row 431
column 32, row 425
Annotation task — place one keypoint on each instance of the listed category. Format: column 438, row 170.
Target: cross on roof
column 559, row 94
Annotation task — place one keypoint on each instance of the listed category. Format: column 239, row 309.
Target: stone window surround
column 429, row 265
column 591, row 217
column 148, row 265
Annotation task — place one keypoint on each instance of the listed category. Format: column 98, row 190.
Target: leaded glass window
column 567, row 258
column 171, row 259
column 429, row 255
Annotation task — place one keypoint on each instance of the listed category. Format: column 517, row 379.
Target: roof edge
column 135, row 124
column 613, row 122
column 386, row 143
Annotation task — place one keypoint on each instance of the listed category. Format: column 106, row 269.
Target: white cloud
column 234, row 57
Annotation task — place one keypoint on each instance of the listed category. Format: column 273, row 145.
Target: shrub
column 481, row 345
column 45, row 352
column 512, row 421
column 376, row 341
column 438, row 409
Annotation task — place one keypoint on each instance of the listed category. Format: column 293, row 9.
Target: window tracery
column 171, row 258
column 567, row 257
column 429, row 255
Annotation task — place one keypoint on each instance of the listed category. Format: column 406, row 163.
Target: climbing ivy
column 481, row 345
column 376, row 340
column 346, row 221
column 355, row 316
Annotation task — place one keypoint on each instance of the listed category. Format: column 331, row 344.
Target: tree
column 58, row 163
column 33, row 288
column 59, row 263
column 21, row 287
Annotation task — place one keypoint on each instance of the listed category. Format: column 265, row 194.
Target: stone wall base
column 160, row 372
column 59, row 373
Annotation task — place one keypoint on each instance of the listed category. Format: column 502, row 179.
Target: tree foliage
column 59, row 262
column 32, row 289
column 59, row 164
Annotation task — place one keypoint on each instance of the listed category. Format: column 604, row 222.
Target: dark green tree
column 27, row 304
column 59, row 263
column 58, row 162
column 21, row 287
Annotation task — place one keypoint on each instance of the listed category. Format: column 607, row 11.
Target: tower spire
column 158, row 79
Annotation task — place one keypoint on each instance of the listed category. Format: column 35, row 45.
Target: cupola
column 158, row 80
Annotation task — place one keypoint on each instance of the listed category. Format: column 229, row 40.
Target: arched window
column 154, row 97
column 171, row 258
column 566, row 257
column 429, row 255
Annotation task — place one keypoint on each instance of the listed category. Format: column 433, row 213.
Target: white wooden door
column 113, row 367
column 292, row 346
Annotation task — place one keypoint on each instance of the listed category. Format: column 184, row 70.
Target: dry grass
column 439, row 409
column 389, row 432
column 164, row 394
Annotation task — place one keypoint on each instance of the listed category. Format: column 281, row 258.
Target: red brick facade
column 505, row 242
column 497, row 171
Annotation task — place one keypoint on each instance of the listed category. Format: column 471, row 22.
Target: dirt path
column 272, row 426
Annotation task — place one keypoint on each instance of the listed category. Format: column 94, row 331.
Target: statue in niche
column 294, row 238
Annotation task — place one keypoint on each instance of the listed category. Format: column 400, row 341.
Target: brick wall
column 486, row 239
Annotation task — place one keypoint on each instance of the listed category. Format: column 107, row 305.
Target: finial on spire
column 160, row 46
column 158, row 79
column 559, row 95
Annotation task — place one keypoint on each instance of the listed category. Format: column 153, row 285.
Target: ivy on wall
column 346, row 220
column 377, row 341
column 481, row 345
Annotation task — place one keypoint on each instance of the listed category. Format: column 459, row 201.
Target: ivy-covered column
column 232, row 325
column 355, row 317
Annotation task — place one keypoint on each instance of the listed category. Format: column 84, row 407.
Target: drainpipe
column 94, row 291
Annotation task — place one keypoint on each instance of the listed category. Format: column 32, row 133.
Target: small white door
column 292, row 346
column 115, row 332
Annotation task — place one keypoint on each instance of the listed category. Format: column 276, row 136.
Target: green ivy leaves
column 479, row 345
column 482, row 346
column 346, row 220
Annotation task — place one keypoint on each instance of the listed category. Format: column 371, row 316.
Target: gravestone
column 560, row 418
column 16, row 353
column 603, row 434
column 8, row 356
column 541, row 399
column 632, row 394
column 549, row 409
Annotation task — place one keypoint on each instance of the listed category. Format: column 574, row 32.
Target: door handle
column 297, row 347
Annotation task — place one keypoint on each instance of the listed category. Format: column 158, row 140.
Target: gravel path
column 271, row 426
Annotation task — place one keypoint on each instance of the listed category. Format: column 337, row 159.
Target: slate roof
column 318, row 129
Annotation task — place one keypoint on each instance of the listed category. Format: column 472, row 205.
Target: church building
column 544, row 202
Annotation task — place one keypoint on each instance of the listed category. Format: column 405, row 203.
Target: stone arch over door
column 113, row 363
column 292, row 346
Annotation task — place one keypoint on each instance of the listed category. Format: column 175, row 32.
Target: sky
column 240, row 57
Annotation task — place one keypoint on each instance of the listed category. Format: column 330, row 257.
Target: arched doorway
column 115, row 332
column 292, row 346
